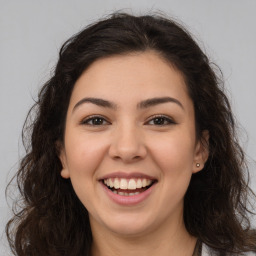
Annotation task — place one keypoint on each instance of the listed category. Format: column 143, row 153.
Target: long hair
column 52, row 220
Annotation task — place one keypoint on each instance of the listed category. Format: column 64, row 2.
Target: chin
column 130, row 226
column 129, row 230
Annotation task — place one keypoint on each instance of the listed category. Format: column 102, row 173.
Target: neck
column 165, row 241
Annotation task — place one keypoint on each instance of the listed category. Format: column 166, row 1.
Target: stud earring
column 197, row 165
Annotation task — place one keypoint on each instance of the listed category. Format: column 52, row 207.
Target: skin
column 128, row 139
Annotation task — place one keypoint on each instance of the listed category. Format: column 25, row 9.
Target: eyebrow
column 96, row 101
column 141, row 105
column 155, row 101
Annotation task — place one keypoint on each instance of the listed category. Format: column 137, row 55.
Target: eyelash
column 93, row 118
column 162, row 118
column 167, row 120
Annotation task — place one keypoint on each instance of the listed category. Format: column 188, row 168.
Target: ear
column 63, row 159
column 201, row 152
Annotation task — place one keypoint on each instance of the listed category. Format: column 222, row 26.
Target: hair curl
column 52, row 220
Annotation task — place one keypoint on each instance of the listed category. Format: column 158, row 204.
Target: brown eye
column 95, row 121
column 160, row 121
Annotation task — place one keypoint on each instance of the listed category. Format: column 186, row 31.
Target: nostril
column 127, row 149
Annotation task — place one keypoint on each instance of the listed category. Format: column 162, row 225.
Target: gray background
column 31, row 33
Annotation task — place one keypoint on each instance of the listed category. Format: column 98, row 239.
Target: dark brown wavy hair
column 50, row 219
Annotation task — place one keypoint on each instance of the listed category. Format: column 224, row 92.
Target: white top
column 206, row 251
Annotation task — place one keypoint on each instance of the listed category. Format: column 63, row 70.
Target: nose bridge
column 127, row 142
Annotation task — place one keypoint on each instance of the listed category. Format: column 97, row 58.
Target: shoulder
column 207, row 251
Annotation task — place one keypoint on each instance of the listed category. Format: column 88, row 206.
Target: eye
column 95, row 121
column 160, row 120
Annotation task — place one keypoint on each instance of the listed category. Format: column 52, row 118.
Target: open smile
column 128, row 187
column 128, row 191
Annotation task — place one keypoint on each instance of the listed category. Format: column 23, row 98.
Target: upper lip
column 125, row 175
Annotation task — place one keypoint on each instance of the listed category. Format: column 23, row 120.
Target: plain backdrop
column 31, row 33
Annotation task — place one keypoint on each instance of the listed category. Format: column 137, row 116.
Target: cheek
column 84, row 155
column 174, row 158
column 174, row 153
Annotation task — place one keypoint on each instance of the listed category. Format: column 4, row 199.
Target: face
column 130, row 145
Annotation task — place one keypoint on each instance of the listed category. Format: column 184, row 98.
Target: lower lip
column 128, row 200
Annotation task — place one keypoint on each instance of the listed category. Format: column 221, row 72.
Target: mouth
column 128, row 187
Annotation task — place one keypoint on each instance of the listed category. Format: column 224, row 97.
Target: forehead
column 130, row 77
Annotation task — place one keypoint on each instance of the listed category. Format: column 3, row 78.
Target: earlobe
column 201, row 153
column 65, row 173
column 62, row 156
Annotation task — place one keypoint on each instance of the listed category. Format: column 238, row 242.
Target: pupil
column 97, row 121
column 159, row 121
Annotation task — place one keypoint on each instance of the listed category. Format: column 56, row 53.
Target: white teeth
column 125, row 193
column 116, row 183
column 111, row 183
column 130, row 184
column 139, row 183
column 123, row 184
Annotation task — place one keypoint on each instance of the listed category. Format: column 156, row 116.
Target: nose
column 127, row 144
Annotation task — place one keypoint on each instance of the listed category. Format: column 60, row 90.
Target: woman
column 133, row 150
